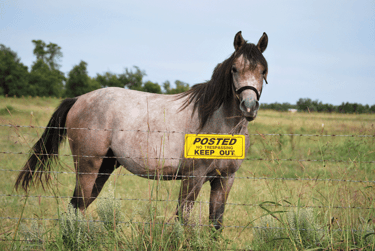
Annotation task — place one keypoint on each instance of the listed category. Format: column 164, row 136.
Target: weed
column 109, row 210
column 79, row 231
column 364, row 234
column 8, row 110
column 303, row 228
column 297, row 229
column 34, row 235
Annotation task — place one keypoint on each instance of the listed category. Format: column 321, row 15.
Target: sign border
column 214, row 135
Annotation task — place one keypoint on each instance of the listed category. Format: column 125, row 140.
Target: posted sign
column 214, row 146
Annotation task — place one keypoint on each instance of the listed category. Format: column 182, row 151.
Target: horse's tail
column 46, row 149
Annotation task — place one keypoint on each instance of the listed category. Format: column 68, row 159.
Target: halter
column 238, row 91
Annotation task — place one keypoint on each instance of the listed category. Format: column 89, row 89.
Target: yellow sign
column 214, row 146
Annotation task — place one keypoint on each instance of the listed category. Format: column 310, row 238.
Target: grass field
column 286, row 202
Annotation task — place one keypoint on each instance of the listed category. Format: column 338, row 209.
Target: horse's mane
column 208, row 97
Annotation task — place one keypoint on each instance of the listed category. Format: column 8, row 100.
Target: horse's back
column 140, row 128
column 113, row 105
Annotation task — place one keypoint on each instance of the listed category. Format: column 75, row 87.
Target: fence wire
column 160, row 176
column 185, row 132
column 163, row 158
column 192, row 225
column 192, row 176
column 187, row 201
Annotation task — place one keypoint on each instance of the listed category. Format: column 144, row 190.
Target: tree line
column 308, row 105
column 45, row 78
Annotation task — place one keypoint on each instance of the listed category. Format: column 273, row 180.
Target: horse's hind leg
column 220, row 188
column 92, row 173
column 87, row 169
column 109, row 164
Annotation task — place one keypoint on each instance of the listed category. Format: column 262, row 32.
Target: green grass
column 287, row 210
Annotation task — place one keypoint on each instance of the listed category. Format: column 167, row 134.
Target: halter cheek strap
column 238, row 92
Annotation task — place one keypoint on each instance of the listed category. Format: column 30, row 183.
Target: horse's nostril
column 249, row 106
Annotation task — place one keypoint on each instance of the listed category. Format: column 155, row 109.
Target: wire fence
column 200, row 225
column 178, row 176
column 198, row 202
column 185, row 132
column 166, row 158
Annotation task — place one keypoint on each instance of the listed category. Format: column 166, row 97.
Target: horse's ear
column 238, row 41
column 262, row 43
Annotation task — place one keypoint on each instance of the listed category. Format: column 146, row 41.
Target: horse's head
column 249, row 68
column 241, row 76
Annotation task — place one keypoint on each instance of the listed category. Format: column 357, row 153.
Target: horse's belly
column 143, row 152
column 151, row 167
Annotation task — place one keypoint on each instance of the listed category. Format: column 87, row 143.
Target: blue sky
column 321, row 50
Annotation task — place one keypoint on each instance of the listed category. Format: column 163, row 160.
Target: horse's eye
column 234, row 69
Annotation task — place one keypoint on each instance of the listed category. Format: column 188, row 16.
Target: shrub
column 296, row 229
column 109, row 210
column 78, row 231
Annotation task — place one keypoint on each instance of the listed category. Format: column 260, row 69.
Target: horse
column 144, row 133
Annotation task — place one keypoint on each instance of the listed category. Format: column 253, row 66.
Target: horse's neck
column 227, row 119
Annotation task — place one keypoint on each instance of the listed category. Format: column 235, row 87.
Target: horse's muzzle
column 249, row 107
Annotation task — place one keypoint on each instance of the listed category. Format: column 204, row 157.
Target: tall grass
column 307, row 213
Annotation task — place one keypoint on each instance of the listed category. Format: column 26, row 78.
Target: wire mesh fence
column 185, row 132
column 279, row 206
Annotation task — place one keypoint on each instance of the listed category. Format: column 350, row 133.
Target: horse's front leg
column 189, row 191
column 220, row 188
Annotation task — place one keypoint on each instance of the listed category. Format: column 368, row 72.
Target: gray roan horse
column 145, row 132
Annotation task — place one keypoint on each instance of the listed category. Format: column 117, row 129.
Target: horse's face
column 248, row 83
column 248, row 78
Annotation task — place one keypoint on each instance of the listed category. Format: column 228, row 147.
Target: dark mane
column 208, row 97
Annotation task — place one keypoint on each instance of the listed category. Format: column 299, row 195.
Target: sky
column 321, row 50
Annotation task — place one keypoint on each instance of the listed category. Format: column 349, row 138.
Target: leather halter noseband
column 238, row 91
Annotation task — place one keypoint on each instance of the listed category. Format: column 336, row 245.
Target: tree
column 306, row 104
column 151, row 87
column 79, row 82
column 180, row 87
column 45, row 77
column 133, row 80
column 167, row 87
column 50, row 54
column 45, row 81
column 109, row 79
column 13, row 74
